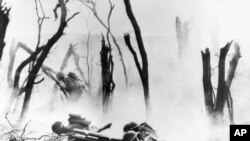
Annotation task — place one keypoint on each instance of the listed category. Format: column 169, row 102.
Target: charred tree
column 142, row 69
column 182, row 32
column 16, row 86
column 19, row 90
column 108, row 84
column 92, row 6
column 29, row 60
column 231, row 73
column 45, row 49
column 215, row 104
column 207, row 84
column 12, row 54
column 4, row 21
column 221, row 88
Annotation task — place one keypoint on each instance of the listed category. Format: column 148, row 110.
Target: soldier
column 129, row 133
column 142, row 132
column 76, row 122
column 59, row 128
column 72, row 84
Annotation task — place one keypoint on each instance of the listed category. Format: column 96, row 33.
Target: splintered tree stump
column 221, row 91
column 207, row 84
column 108, row 84
column 215, row 104
column 231, row 73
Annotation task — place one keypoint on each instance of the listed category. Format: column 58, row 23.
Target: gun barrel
column 83, row 135
column 81, row 131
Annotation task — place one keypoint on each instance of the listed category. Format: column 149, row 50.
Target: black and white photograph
column 124, row 70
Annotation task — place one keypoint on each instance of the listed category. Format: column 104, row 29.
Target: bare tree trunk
column 12, row 56
column 19, row 69
column 143, row 69
column 88, row 64
column 45, row 69
column 215, row 105
column 108, row 84
column 233, row 64
column 221, row 91
column 4, row 21
column 207, row 84
column 66, row 58
column 232, row 68
column 45, row 51
column 182, row 32
column 16, row 90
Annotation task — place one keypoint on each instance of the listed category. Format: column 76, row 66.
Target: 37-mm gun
column 85, row 135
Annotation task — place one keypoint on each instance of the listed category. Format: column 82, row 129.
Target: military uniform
column 72, row 84
column 142, row 132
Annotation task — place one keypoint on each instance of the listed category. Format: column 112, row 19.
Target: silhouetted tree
column 207, row 84
column 215, row 104
column 44, row 53
column 13, row 50
column 108, row 84
column 36, row 59
column 4, row 21
column 143, row 68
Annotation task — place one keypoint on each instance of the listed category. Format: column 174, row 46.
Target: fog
column 177, row 98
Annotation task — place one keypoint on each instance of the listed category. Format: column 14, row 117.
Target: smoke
column 178, row 111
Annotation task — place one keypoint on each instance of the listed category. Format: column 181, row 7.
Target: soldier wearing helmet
column 76, row 122
column 59, row 128
column 72, row 84
column 142, row 132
